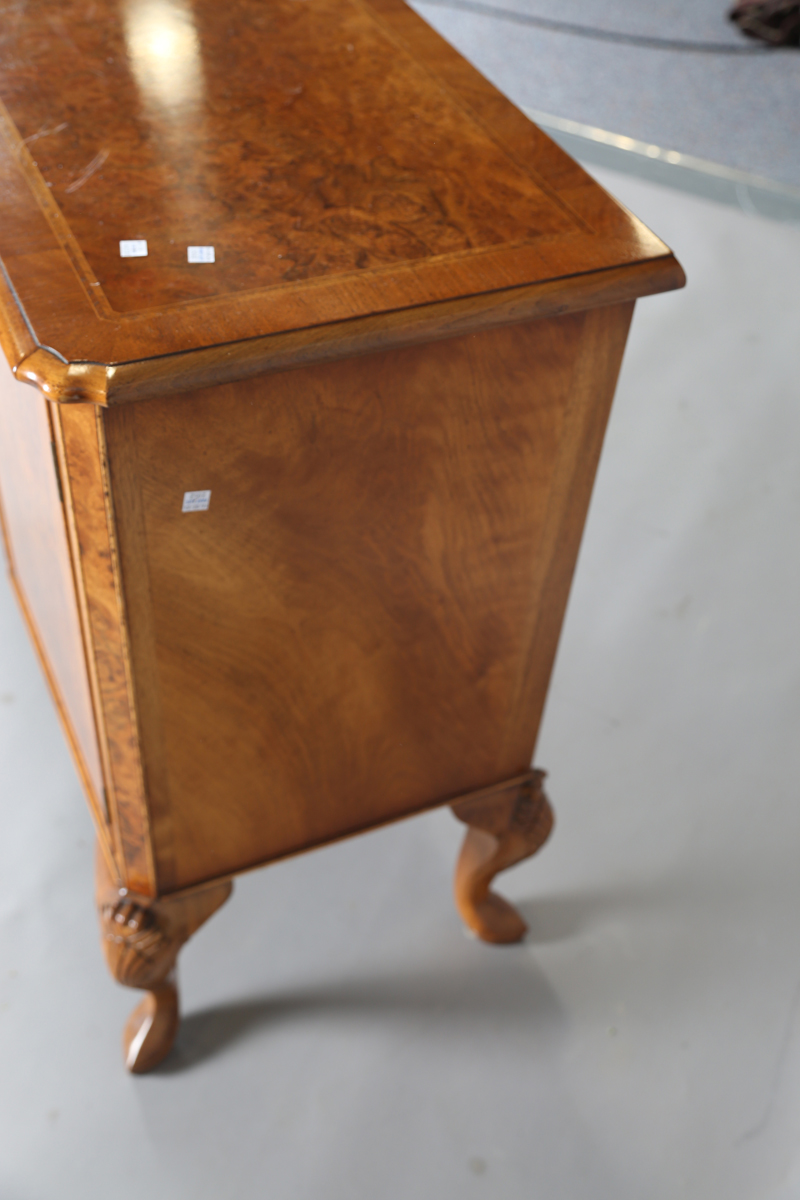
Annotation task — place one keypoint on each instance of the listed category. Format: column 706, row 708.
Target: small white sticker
column 133, row 249
column 196, row 501
column 197, row 254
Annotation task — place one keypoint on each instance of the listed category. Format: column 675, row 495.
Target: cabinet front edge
column 128, row 382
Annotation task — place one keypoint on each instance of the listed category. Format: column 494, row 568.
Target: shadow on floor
column 567, row 915
column 496, row 984
column 509, row 990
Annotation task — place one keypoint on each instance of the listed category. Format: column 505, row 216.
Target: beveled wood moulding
column 393, row 379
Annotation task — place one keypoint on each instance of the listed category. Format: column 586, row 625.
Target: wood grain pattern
column 593, row 378
column 387, row 177
column 126, row 383
column 295, row 141
column 346, row 635
column 133, row 552
column 84, row 480
column 505, row 826
column 141, row 939
column 33, row 523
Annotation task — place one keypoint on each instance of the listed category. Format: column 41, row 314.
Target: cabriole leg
column 141, row 939
column 503, row 829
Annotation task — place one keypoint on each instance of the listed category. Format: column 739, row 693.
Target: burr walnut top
column 182, row 175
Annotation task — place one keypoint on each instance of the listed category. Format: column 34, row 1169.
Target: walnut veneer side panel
column 81, row 446
column 594, row 375
column 346, row 635
column 39, row 560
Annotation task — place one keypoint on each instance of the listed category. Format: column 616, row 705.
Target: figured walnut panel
column 345, row 635
column 343, row 161
column 294, row 151
column 92, row 529
column 38, row 551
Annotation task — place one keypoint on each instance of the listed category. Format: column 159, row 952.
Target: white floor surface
column 342, row 1038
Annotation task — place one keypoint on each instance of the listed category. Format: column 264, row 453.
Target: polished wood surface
column 34, row 526
column 126, row 383
column 343, row 161
column 349, row 631
column 141, row 939
column 80, row 440
column 279, row 133
column 506, row 825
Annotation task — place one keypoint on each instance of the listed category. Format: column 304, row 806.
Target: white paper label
column 201, row 254
column 196, row 501
column 133, row 249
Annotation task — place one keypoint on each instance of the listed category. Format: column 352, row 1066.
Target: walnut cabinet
column 311, row 342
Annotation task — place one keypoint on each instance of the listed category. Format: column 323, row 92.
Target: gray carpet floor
column 738, row 105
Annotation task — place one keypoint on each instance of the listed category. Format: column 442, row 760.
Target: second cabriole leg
column 141, row 939
column 504, row 828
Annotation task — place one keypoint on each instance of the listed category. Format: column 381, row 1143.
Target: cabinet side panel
column 342, row 637
column 594, row 379
column 38, row 551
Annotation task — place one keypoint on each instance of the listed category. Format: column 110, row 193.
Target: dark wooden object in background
column 394, row 381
